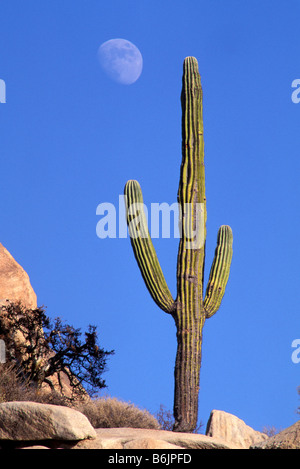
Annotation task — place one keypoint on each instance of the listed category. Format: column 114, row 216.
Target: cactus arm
column 144, row 250
column 219, row 272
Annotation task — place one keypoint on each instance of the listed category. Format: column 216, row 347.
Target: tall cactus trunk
column 187, row 374
column 191, row 308
column 190, row 314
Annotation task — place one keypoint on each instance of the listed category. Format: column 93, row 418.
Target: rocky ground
column 44, row 426
column 33, row 425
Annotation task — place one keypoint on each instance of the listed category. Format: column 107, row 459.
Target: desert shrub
column 13, row 387
column 165, row 418
column 44, row 350
column 270, row 430
column 110, row 412
column 51, row 397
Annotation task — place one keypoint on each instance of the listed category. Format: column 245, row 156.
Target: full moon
column 121, row 60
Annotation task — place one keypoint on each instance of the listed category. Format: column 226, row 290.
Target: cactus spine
column 191, row 308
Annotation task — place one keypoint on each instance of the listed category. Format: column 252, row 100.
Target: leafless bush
column 270, row 430
column 165, row 418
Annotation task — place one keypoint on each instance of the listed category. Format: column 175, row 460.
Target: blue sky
column 71, row 138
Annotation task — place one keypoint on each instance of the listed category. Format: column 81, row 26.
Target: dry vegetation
column 109, row 412
column 13, row 387
column 102, row 412
column 24, row 375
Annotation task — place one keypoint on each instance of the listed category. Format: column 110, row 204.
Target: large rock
column 232, row 430
column 139, row 438
column 14, row 281
column 287, row 439
column 31, row 421
column 149, row 443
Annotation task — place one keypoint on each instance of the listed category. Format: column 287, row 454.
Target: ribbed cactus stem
column 190, row 314
column 191, row 193
column 189, row 310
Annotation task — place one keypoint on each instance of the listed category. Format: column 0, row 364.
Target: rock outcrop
column 233, row 430
column 286, row 439
column 34, row 425
column 14, row 281
column 32, row 421
column 30, row 425
column 138, row 438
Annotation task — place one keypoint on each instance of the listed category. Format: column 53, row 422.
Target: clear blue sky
column 70, row 138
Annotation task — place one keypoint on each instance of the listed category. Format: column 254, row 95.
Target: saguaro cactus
column 191, row 308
